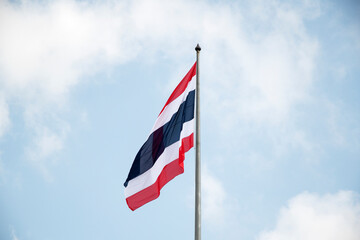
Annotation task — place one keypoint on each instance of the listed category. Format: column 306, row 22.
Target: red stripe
column 182, row 86
column 170, row 171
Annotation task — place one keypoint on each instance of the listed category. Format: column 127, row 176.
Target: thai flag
column 161, row 158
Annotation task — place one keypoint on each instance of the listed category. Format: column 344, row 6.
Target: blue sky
column 82, row 82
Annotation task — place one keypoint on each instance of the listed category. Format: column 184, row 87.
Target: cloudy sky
column 82, row 82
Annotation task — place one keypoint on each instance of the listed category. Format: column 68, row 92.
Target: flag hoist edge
column 161, row 158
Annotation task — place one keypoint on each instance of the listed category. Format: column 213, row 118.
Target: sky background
column 82, row 82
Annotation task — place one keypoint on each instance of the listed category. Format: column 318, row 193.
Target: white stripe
column 170, row 154
column 173, row 107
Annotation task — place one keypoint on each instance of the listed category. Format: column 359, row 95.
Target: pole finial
column 198, row 48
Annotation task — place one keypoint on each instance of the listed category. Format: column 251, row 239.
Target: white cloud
column 4, row 116
column 13, row 234
column 56, row 43
column 218, row 207
column 45, row 50
column 46, row 143
column 268, row 71
column 311, row 216
column 2, row 171
column 257, row 60
column 214, row 197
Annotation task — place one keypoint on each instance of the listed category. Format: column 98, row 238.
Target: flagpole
column 197, row 151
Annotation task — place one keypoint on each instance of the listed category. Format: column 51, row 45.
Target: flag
column 161, row 158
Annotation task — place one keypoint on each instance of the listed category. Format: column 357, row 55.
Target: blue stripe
column 163, row 137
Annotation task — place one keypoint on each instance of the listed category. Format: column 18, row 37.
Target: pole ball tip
column 198, row 48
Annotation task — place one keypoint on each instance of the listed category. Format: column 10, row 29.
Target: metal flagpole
column 197, row 152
